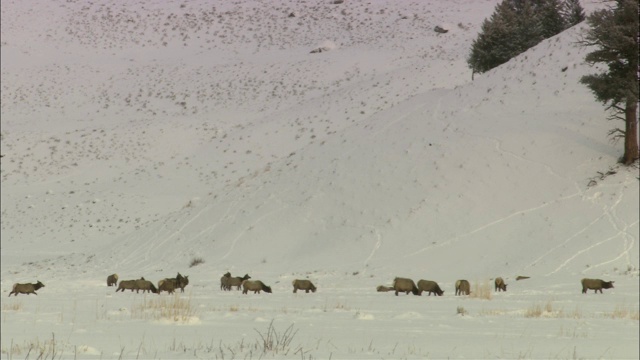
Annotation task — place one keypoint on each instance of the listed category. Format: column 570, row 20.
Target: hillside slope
column 135, row 149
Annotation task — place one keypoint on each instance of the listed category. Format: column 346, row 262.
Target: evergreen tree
column 514, row 27
column 614, row 33
column 529, row 30
column 572, row 12
column 549, row 15
column 494, row 45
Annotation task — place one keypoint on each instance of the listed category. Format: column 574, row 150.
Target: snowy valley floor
column 544, row 318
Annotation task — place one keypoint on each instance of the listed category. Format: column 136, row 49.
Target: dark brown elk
column 405, row 285
column 254, row 285
column 183, row 281
column 224, row 281
column 463, row 287
column 305, row 285
column 500, row 285
column 167, row 285
column 112, row 280
column 595, row 285
column 27, row 288
column 178, row 282
column 430, row 287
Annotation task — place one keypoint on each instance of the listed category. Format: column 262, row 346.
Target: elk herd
column 407, row 286
column 168, row 284
column 228, row 282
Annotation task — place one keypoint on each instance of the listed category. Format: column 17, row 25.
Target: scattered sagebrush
column 196, row 261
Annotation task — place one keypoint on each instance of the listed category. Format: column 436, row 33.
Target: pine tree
column 529, row 29
column 513, row 28
column 572, row 12
column 614, row 33
column 495, row 44
column 549, row 14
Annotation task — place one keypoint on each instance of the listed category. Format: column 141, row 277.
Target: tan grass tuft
column 172, row 308
column 546, row 310
column 14, row 306
column 481, row 290
column 624, row 312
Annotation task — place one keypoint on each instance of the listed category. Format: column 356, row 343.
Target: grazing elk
column 430, row 287
column 305, row 285
column 500, row 285
column 145, row 285
column 254, row 285
column 129, row 285
column 405, row 285
column 595, row 285
column 27, row 288
column 112, row 280
column 463, row 287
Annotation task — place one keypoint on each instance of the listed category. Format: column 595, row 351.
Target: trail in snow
column 610, row 214
column 376, row 246
column 498, row 147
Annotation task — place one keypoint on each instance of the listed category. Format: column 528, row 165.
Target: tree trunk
column 631, row 153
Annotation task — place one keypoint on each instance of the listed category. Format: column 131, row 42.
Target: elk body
column 429, row 286
column 112, row 280
column 463, row 287
column 405, row 285
column 305, row 285
column 254, row 285
column 27, row 288
column 595, row 285
column 500, row 285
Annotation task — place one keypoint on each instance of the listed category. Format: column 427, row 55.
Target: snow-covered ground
column 140, row 136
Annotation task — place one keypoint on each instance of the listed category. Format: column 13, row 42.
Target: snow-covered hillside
column 138, row 136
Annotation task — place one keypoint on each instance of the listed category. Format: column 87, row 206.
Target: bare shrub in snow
column 196, row 261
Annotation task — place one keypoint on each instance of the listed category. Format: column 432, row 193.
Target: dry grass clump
column 575, row 314
column 481, row 290
column 172, row 308
column 277, row 343
column 14, row 306
column 574, row 333
column 270, row 343
column 538, row 310
column 547, row 310
column 493, row 312
column 624, row 312
column 338, row 306
column 234, row 308
column 620, row 312
column 38, row 349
